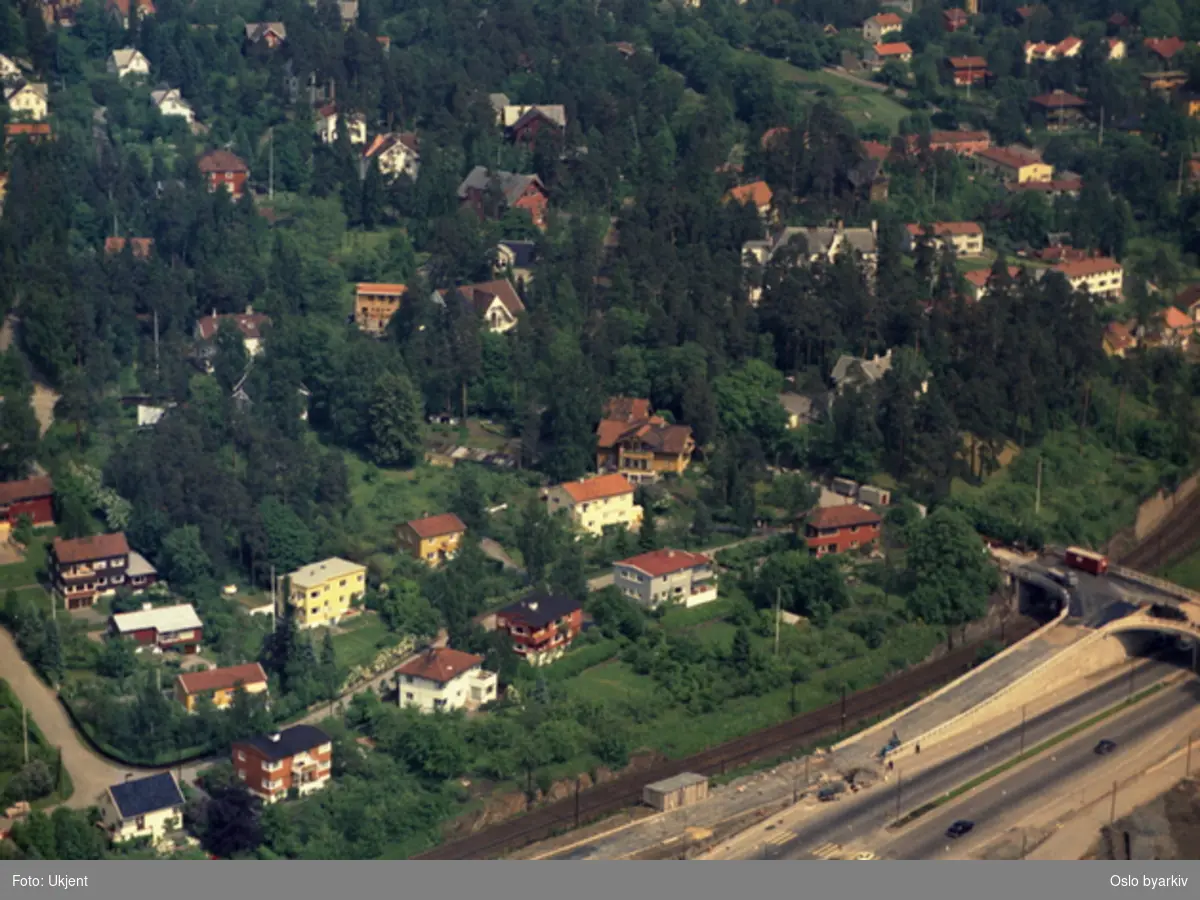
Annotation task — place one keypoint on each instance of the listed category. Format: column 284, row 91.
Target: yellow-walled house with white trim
column 321, row 593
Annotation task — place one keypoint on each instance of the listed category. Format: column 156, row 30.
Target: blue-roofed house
column 149, row 807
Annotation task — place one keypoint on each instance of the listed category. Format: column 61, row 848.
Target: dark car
column 1105, row 747
column 959, row 828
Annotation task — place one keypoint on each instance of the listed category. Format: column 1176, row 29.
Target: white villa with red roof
column 666, row 576
column 594, row 504
column 445, row 679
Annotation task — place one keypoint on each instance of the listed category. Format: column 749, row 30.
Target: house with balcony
column 541, row 626
column 594, row 504
column 968, row 70
column 321, row 593
column 638, row 445
column 1099, row 277
column 374, row 305
column 442, row 679
column 666, row 576
column 33, row 497
column 164, row 627
column 837, row 529
column 82, row 569
column 219, row 685
column 150, row 808
column 965, row 237
column 271, row 765
column 433, row 540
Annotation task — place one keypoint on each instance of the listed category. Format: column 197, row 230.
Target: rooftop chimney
column 128, row 777
column 275, row 738
column 533, row 604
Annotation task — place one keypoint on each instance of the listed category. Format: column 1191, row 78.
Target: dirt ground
column 1167, row 827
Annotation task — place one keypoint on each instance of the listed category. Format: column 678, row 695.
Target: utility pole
column 1022, row 750
column 1101, row 126
column 1037, row 495
column 576, row 801
column 778, row 614
column 843, row 708
column 271, row 167
column 25, row 730
column 1188, row 769
column 1112, row 809
column 899, row 790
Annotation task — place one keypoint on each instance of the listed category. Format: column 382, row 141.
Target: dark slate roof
column 146, row 795
column 539, row 610
column 296, row 739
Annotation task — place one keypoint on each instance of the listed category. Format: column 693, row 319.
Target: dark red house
column 82, row 568
column 836, row 529
column 222, row 169
column 489, row 194
column 538, row 120
column 541, row 626
column 33, row 497
column 165, row 627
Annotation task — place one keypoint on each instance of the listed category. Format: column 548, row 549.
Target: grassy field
column 361, row 640
column 861, row 105
column 11, row 733
column 25, row 572
column 1186, row 572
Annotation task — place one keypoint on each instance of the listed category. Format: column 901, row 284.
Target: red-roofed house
column 222, row 169
column 1059, row 107
column 875, row 28
column 541, row 626
column 33, row 497
column 120, row 9
column 963, row 143
column 432, row 540
column 955, row 19
column 1100, row 276
column 836, row 529
column 877, row 151
column 965, row 237
column 1014, row 164
column 496, row 301
column 1175, row 328
column 594, row 504
column 140, row 247
column 1118, row 339
column 757, row 193
column 397, row 153
column 252, row 325
column 444, row 679
column 638, row 445
column 375, row 304
column 219, row 685
column 979, row 280
column 879, row 54
column 1115, row 48
column 1164, row 48
column 666, row 576
column 968, row 70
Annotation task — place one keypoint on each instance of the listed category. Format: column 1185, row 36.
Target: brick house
column 836, row 529
column 490, row 194
column 82, row 568
column 432, row 540
column 666, row 576
column 445, row 679
column 219, row 685
column 33, row 497
column 165, row 627
column 222, row 169
column 270, row 765
column 541, row 626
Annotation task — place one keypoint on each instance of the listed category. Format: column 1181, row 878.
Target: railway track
column 792, row 735
column 1174, row 538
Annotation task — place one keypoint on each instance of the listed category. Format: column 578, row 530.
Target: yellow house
column 322, row 592
column 432, row 540
column 1014, row 164
column 219, row 684
column 596, row 503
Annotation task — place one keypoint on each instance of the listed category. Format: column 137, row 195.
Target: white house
column 395, row 154
column 170, row 102
column 148, row 807
column 328, row 120
column 879, row 26
column 496, row 301
column 511, row 113
column 666, row 576
column 128, row 61
column 445, row 679
column 9, row 70
column 28, row 101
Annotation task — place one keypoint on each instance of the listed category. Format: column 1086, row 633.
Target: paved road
column 1074, row 759
column 862, row 815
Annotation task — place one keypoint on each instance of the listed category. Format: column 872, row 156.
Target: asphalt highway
column 1073, row 759
column 860, row 815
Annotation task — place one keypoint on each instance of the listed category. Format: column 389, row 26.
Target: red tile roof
column 958, row 137
column 480, row 296
column 221, row 161
column 663, row 562
column 100, row 546
column 440, row 664
column 1165, row 48
column 222, row 679
column 1058, row 100
column 1085, row 267
column 980, row 277
column 26, row 489
column 1067, row 44
column 876, row 150
column 1011, row 157
column 379, row 289
column 1119, row 336
column 1175, row 319
column 946, row 229
column 436, row 526
column 597, row 488
column 14, row 129
column 887, row 19
column 898, row 48
column 843, row 517
column 249, row 324
column 967, row 62
column 141, row 246
column 758, row 193
column 627, row 409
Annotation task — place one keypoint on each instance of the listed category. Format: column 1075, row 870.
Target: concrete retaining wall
column 1151, row 513
column 1158, row 584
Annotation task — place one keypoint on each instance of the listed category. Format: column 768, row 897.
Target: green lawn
column 611, row 681
column 25, row 572
column 362, row 640
column 861, row 105
column 679, row 618
column 1186, row 572
column 11, row 731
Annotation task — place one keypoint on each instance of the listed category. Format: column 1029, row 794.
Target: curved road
column 862, row 815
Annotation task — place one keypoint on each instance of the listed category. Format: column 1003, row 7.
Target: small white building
column 148, row 807
column 28, row 101
column 9, row 70
column 666, row 576
column 445, row 679
column 170, row 102
column 395, row 154
column 128, row 61
column 329, row 119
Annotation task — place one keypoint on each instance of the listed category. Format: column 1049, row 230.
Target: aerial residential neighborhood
column 689, row 430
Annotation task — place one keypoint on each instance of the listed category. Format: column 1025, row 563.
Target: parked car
column 1167, row 611
column 959, row 828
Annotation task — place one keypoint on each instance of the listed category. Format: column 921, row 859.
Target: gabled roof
column 163, row 619
column 146, row 7
column 1176, row 319
column 379, row 289
column 249, row 324
column 512, row 185
column 654, row 433
column 657, row 563
column 256, row 31
column 627, row 409
column 1085, row 267
column 945, row 229
column 31, row 129
column 26, row 489
column 39, row 88
column 125, row 57
column 871, row 369
column 286, row 743
column 898, row 48
column 876, row 151
column 958, row 137
column 981, row 277
column 954, row 14
column 382, row 143
column 1011, row 157
column 436, row 526
column 522, row 253
column 597, row 488
column 967, row 62
column 1067, row 45
column 538, row 610
column 440, row 664
column 1058, row 100
column 887, row 20
column 555, row 114
column 140, row 796
column 757, row 193
column 159, row 97
column 843, row 517
column 221, row 679
column 100, row 546
column 1164, row 48
column 221, row 161
column 481, row 296
column 1119, row 336
column 140, row 246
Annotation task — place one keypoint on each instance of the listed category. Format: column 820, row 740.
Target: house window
column 140, row 823
column 241, row 756
column 408, row 696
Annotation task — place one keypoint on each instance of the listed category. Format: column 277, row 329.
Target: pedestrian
column 891, row 765
column 917, row 748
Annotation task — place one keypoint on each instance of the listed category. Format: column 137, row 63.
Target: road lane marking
column 827, row 850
